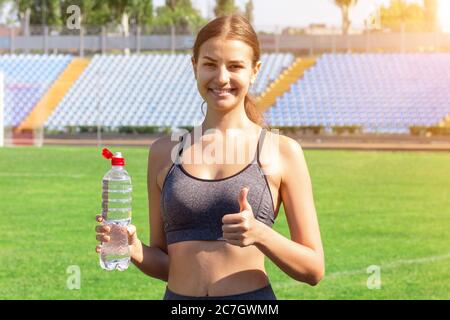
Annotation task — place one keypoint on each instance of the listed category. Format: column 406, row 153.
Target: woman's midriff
column 215, row 268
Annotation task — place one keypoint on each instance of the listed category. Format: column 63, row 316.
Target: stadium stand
column 283, row 83
column 27, row 78
column 383, row 93
column 143, row 90
column 272, row 66
column 54, row 95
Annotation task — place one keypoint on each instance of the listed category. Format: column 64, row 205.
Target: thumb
column 243, row 203
column 131, row 230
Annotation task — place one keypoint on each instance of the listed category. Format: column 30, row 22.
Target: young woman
column 211, row 224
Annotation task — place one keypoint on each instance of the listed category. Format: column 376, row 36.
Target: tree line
column 124, row 14
column 397, row 16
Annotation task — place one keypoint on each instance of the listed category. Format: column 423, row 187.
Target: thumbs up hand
column 241, row 229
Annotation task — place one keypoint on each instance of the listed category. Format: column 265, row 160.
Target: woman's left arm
column 302, row 256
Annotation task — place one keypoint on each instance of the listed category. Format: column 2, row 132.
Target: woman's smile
column 220, row 93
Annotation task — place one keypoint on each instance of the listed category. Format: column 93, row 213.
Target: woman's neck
column 233, row 119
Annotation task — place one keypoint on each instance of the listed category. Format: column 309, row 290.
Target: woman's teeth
column 223, row 93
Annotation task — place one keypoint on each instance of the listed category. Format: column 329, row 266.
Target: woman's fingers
column 103, row 231
column 102, row 237
column 102, row 228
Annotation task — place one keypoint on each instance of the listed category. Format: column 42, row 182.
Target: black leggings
column 265, row 293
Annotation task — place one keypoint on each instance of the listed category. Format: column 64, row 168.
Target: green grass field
column 389, row 209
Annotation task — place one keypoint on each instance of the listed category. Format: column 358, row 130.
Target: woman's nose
column 223, row 75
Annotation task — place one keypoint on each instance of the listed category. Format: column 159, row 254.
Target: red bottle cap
column 116, row 160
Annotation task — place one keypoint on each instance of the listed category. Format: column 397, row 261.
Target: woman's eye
column 233, row 66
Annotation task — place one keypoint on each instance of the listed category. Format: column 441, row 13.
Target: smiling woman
column 211, row 223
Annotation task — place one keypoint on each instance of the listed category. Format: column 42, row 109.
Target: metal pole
column 45, row 39
column 103, row 40
column 277, row 39
column 367, row 41
column 98, row 104
column 172, row 33
column 11, row 41
column 82, row 41
column 333, row 43
column 311, row 47
column 347, row 42
column 138, row 39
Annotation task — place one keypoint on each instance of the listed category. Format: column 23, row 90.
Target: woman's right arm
column 153, row 260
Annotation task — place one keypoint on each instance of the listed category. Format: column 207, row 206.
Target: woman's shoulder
column 291, row 159
column 286, row 145
column 278, row 153
column 281, row 151
column 161, row 144
column 289, row 145
column 161, row 149
column 160, row 159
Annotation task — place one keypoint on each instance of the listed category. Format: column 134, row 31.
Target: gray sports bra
column 192, row 208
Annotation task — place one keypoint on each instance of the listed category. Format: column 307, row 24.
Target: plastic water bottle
column 116, row 212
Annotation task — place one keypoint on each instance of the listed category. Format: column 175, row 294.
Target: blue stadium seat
column 27, row 78
column 371, row 90
column 152, row 90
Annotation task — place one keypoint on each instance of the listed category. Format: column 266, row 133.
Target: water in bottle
column 116, row 212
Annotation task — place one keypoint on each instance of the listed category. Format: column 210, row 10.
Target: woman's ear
column 255, row 71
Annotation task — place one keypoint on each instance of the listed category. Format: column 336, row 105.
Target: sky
column 270, row 13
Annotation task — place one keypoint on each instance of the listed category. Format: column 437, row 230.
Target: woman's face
column 224, row 71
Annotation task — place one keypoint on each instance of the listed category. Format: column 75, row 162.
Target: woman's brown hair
column 233, row 27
